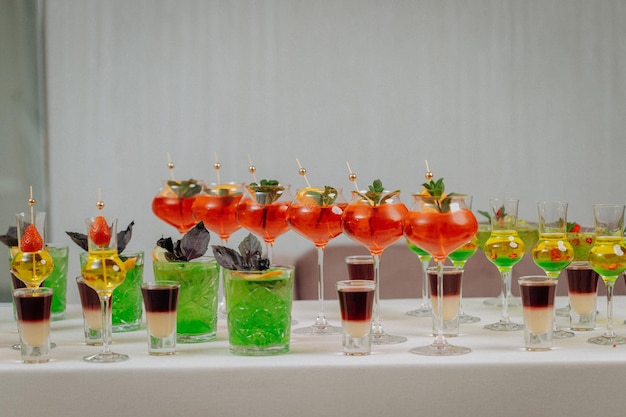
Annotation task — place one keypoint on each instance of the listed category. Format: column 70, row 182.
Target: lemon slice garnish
column 130, row 263
column 158, row 254
column 303, row 195
column 231, row 188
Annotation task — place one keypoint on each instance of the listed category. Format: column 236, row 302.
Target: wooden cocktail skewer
column 429, row 175
column 31, row 204
column 217, row 167
column 352, row 176
column 252, row 169
column 99, row 203
column 170, row 166
column 302, row 172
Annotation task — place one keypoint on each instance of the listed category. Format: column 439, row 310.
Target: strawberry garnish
column 573, row 227
column 100, row 233
column 31, row 240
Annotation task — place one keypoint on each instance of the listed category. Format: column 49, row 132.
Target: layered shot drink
column 356, row 300
column 452, row 278
column 92, row 312
column 161, row 301
column 360, row 267
column 583, row 291
column 538, row 306
column 33, row 307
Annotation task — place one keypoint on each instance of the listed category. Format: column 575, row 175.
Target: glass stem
column 377, row 329
column 425, row 287
column 321, row 318
column 506, row 285
column 269, row 249
column 220, row 285
column 610, row 333
column 440, row 339
column 105, row 300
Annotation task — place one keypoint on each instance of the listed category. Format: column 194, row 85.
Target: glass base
column 387, row 339
column 57, row 316
column 607, row 340
column 497, row 301
column 18, row 346
column 199, row 338
column 562, row 334
column 127, row 327
column 440, row 349
column 504, row 326
column 106, row 357
column 563, row 311
column 466, row 318
column 259, row 351
column 423, row 311
column 318, row 330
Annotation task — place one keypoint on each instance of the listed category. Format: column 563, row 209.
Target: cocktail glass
column 582, row 242
column 376, row 225
column 425, row 309
column 553, row 252
column 259, row 310
column 459, row 258
column 504, row 249
column 216, row 207
column 104, row 271
column 315, row 213
column 440, row 225
column 264, row 213
column 57, row 280
column 173, row 203
column 608, row 259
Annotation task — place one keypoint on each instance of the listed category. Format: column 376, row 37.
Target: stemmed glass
column 425, row 309
column 440, row 225
column 608, row 259
column 553, row 252
column 315, row 213
column 263, row 211
column 216, row 207
column 173, row 203
column 459, row 258
column 375, row 220
column 504, row 248
column 103, row 271
column 32, row 263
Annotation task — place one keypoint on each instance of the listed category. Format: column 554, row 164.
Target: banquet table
column 498, row 378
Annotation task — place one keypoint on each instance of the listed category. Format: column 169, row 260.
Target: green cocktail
column 582, row 242
column 484, row 231
column 529, row 233
column 58, row 279
column 259, row 310
column 196, row 319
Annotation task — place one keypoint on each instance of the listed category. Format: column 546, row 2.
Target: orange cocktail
column 174, row 201
column 217, row 208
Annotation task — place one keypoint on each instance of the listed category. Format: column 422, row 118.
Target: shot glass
column 92, row 313
column 33, row 307
column 58, row 278
column 583, row 293
column 452, row 279
column 360, row 267
column 538, row 308
column 356, row 299
column 161, row 301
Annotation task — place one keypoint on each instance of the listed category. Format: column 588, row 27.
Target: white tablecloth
column 498, row 378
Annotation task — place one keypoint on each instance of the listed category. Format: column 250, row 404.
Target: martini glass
column 173, row 203
column 504, row 249
column 425, row 309
column 104, row 271
column 553, row 252
column 375, row 223
column 608, row 259
column 315, row 213
column 216, row 207
column 440, row 225
column 263, row 211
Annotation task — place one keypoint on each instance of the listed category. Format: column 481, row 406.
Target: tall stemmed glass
column 263, row 211
column 608, row 259
column 425, row 309
column 375, row 220
column 216, row 207
column 553, row 252
column 103, row 271
column 459, row 258
column 504, row 248
column 315, row 213
column 440, row 225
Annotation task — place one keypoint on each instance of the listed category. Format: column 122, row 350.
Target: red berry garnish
column 31, row 240
column 576, row 228
column 100, row 233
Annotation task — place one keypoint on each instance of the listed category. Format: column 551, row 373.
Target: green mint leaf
column 185, row 188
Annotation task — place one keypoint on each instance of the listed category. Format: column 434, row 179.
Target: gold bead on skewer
column 352, row 177
column 252, row 169
column 100, row 205
column 302, row 171
column 429, row 175
column 217, row 165
column 31, row 202
column 170, row 165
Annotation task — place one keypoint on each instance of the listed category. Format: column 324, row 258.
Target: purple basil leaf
column 251, row 250
column 124, row 237
column 80, row 239
column 10, row 239
column 195, row 242
column 228, row 258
